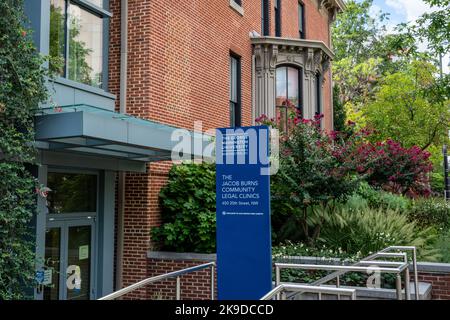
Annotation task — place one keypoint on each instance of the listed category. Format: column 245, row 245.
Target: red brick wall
column 194, row 286
column 178, row 73
column 440, row 284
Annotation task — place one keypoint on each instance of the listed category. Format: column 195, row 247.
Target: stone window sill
column 237, row 7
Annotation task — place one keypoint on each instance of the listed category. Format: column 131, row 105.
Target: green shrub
column 437, row 183
column 188, row 204
column 430, row 212
column 370, row 230
column 292, row 249
column 443, row 246
column 377, row 198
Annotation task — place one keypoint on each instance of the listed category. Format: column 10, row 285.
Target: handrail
column 385, row 251
column 414, row 258
column 330, row 267
column 308, row 288
column 402, row 267
column 174, row 274
column 396, row 267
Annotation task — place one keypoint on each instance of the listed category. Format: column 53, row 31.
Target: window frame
column 301, row 20
column 277, row 9
column 300, row 104
column 265, row 18
column 318, row 106
column 236, row 110
column 103, row 14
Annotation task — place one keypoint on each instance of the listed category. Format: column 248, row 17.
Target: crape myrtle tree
column 314, row 173
column 22, row 88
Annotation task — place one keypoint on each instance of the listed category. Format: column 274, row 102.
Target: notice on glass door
column 83, row 252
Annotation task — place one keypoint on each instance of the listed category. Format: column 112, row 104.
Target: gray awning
column 94, row 131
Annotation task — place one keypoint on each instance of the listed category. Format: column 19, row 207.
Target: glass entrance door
column 78, row 271
column 70, row 236
column 69, row 260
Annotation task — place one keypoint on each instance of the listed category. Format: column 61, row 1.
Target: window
column 289, row 86
column 277, row 18
column 318, row 93
column 71, row 192
column 301, row 20
column 98, row 3
column 77, row 42
column 236, row 5
column 265, row 18
column 235, row 91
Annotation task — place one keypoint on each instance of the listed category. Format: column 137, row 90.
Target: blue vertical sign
column 244, row 248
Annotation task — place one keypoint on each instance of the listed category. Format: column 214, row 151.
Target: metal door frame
column 66, row 220
column 64, row 225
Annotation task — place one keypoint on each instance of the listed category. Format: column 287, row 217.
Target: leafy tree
column 435, row 26
column 356, row 32
column 410, row 107
column 22, row 88
column 338, row 111
column 356, row 81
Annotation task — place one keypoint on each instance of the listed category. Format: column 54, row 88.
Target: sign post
column 244, row 252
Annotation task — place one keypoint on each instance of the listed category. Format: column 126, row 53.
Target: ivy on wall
column 22, row 88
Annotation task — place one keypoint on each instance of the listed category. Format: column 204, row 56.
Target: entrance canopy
column 95, row 131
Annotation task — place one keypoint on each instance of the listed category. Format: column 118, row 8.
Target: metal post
column 320, row 295
column 398, row 285
column 213, row 269
column 416, row 275
column 338, row 285
column 407, row 284
column 178, row 289
column 446, row 178
column 277, row 279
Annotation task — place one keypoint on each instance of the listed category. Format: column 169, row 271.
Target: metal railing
column 368, row 264
column 382, row 266
column 282, row 288
column 174, row 274
column 383, row 253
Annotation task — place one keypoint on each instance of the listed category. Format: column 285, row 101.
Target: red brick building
column 222, row 62
column 132, row 72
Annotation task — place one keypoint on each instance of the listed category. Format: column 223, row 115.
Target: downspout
column 123, row 109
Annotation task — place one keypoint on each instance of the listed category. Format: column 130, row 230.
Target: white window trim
column 237, row 7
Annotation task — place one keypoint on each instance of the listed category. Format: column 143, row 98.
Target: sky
column 405, row 11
